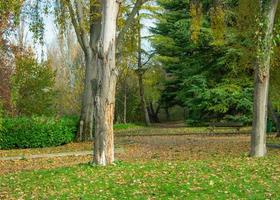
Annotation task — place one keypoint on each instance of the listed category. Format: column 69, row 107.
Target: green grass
column 142, row 130
column 224, row 178
column 273, row 140
column 126, row 126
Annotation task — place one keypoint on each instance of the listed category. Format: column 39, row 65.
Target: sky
column 50, row 36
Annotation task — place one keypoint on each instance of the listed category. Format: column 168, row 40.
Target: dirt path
column 53, row 155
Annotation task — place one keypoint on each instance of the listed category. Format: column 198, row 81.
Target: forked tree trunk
column 85, row 131
column 105, row 85
column 258, row 138
column 153, row 114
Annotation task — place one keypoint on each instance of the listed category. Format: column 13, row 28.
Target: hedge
column 36, row 132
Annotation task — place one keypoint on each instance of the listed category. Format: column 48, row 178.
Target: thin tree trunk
column 153, row 113
column 274, row 117
column 86, row 119
column 258, row 138
column 125, row 102
column 142, row 99
column 140, row 73
column 105, row 85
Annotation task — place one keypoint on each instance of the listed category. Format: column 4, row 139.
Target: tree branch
column 130, row 20
column 95, row 27
column 80, row 17
column 77, row 26
column 148, row 60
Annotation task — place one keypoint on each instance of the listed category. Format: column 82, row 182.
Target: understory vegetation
column 26, row 132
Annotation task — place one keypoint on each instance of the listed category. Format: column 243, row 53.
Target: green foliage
column 23, row 132
column 33, row 83
column 1, row 116
column 207, row 60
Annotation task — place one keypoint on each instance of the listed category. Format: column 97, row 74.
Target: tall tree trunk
column 140, row 73
column 105, row 85
column 258, row 138
column 142, row 99
column 86, row 119
column 274, row 117
column 125, row 102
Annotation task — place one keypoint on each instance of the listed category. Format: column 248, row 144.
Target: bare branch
column 148, row 60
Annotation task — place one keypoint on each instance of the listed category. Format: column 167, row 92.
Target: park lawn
column 220, row 178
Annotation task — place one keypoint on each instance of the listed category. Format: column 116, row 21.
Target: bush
column 23, row 132
column 33, row 86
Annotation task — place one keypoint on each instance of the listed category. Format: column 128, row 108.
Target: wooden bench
column 236, row 125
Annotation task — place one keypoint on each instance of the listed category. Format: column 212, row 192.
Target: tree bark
column 105, row 85
column 261, row 86
column 86, row 119
column 274, row 117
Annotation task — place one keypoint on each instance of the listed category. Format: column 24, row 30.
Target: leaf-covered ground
column 226, row 178
column 158, row 167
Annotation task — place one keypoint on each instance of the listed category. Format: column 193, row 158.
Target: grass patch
column 225, row 178
column 150, row 131
column 126, row 126
column 272, row 139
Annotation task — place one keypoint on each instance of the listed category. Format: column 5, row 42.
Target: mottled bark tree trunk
column 99, row 47
column 105, row 85
column 258, row 138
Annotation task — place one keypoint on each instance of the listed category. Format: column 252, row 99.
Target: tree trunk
column 142, row 99
column 167, row 113
column 86, row 119
column 274, row 117
column 140, row 73
column 125, row 102
column 105, row 85
column 258, row 138
column 153, row 114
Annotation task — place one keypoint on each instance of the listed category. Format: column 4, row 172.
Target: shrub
column 23, row 132
column 33, row 86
